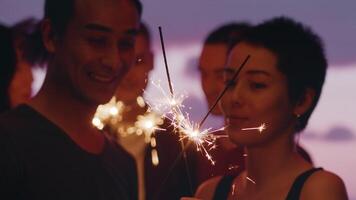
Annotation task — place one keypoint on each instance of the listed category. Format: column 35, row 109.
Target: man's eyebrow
column 132, row 32
column 249, row 72
column 98, row 27
column 102, row 28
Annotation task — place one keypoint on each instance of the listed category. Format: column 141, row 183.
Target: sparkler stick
column 172, row 95
column 259, row 128
column 165, row 61
column 224, row 91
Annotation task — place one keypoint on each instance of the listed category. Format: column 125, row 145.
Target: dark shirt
column 39, row 161
column 223, row 188
column 170, row 179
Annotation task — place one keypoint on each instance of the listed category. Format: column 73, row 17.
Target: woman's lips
column 232, row 120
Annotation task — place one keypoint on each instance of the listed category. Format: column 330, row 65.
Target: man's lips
column 102, row 77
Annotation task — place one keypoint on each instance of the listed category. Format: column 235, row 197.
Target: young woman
column 279, row 87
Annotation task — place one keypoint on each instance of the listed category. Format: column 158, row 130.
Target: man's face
column 135, row 80
column 211, row 65
column 96, row 49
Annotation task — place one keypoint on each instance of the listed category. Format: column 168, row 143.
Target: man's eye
column 97, row 42
column 126, row 45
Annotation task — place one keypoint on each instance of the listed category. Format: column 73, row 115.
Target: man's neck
column 133, row 111
column 69, row 113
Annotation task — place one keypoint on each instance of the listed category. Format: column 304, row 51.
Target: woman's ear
column 48, row 36
column 305, row 102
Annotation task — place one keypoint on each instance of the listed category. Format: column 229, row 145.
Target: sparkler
column 112, row 110
column 111, row 114
column 175, row 107
column 171, row 107
column 252, row 181
column 187, row 129
column 181, row 122
column 148, row 124
column 259, row 128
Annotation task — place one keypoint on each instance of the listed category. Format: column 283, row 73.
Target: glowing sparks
column 154, row 157
column 148, row 124
column 112, row 116
column 252, row 181
column 140, row 101
column 97, row 123
column 259, row 128
column 104, row 113
column 171, row 107
column 233, row 167
column 233, row 189
column 167, row 103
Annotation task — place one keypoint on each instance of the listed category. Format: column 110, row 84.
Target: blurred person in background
column 24, row 38
column 212, row 62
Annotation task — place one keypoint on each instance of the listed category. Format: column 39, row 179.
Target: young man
column 49, row 149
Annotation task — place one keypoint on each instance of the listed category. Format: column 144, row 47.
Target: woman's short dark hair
column 300, row 57
column 59, row 12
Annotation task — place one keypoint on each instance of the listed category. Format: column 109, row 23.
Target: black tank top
column 223, row 188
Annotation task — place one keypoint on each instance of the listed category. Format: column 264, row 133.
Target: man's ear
column 305, row 102
column 48, row 36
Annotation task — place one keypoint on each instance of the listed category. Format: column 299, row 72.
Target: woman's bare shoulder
column 206, row 190
column 324, row 185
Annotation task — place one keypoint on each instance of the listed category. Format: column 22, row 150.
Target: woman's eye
column 255, row 85
column 230, row 83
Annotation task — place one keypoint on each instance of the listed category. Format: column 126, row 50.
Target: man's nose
column 112, row 60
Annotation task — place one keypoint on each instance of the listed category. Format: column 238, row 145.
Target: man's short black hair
column 300, row 55
column 228, row 34
column 59, row 12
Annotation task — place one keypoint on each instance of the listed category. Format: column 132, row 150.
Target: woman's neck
column 273, row 160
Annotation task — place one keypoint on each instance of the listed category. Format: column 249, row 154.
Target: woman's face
column 259, row 96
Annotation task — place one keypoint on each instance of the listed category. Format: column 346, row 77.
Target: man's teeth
column 101, row 77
